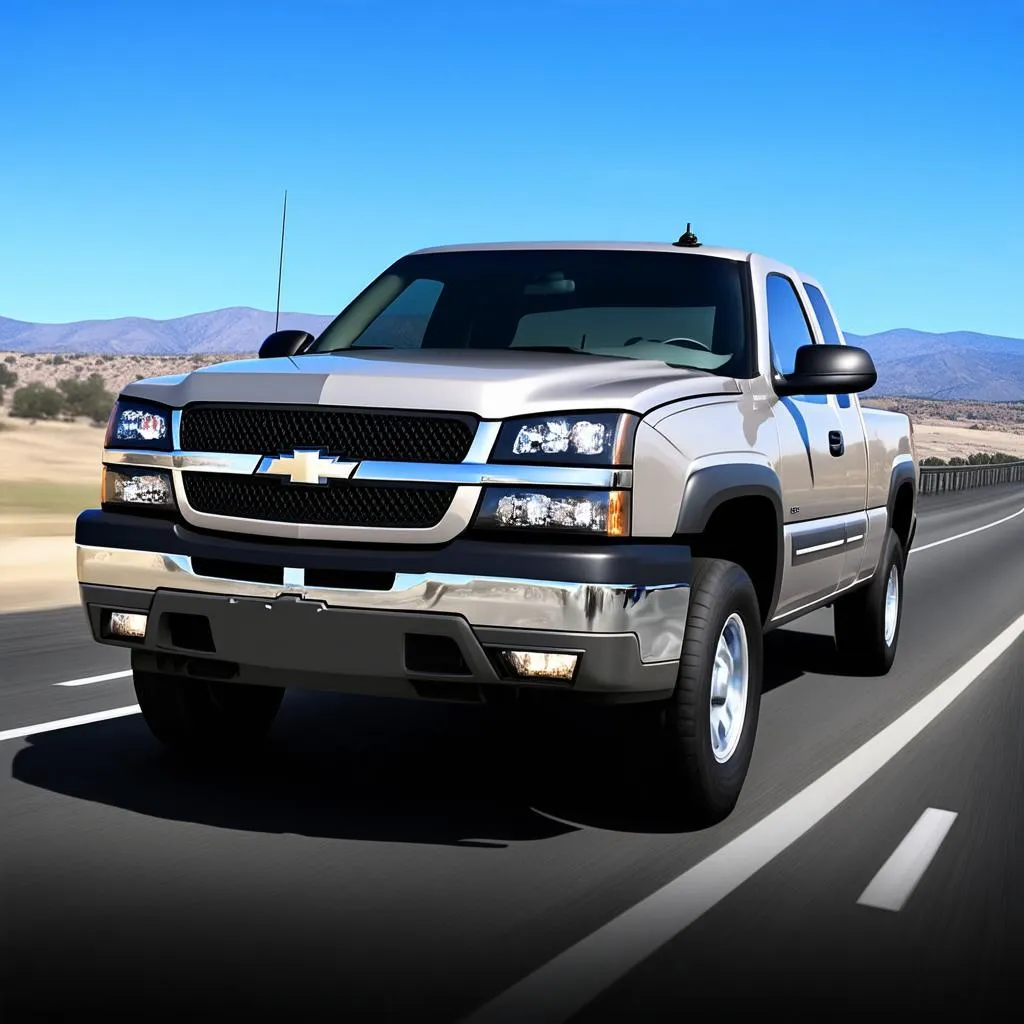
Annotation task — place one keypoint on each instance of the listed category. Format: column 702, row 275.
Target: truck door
column 851, row 426
column 822, row 464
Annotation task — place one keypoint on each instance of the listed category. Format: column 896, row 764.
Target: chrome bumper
column 655, row 615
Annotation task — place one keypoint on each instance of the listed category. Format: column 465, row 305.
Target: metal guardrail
column 940, row 479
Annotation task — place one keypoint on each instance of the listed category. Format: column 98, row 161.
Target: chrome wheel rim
column 892, row 605
column 730, row 677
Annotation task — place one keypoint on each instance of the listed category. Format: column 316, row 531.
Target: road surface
column 415, row 863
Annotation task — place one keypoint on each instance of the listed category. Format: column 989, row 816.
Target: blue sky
column 145, row 145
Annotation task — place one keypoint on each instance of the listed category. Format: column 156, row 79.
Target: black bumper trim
column 303, row 645
column 648, row 562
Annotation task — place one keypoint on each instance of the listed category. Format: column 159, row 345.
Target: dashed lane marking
column 68, row 723
column 85, row 681
column 899, row 875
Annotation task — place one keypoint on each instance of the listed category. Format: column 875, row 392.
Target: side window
column 403, row 322
column 787, row 325
column 829, row 331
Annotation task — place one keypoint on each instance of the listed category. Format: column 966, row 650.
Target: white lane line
column 899, row 875
column 564, row 985
column 95, row 679
column 967, row 533
column 68, row 723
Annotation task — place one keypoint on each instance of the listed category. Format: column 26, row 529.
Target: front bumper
column 384, row 619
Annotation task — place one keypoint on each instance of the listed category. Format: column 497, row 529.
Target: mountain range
column 958, row 365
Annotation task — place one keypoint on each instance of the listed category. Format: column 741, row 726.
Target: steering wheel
column 679, row 342
column 687, row 343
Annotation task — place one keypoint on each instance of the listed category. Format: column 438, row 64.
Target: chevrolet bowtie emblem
column 307, row 466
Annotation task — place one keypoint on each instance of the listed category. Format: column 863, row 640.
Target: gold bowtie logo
column 307, row 466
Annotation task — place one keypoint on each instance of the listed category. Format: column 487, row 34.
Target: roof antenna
column 280, row 262
column 687, row 240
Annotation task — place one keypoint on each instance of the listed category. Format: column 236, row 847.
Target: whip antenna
column 280, row 261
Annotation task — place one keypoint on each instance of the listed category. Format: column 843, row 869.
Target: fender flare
column 709, row 487
column 904, row 471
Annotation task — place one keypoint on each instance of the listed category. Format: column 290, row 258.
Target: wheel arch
column 735, row 511
column 901, row 505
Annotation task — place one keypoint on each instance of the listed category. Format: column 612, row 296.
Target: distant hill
column 958, row 365
column 223, row 331
column 961, row 365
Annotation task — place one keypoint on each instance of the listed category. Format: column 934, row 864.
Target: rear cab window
column 828, row 325
column 829, row 328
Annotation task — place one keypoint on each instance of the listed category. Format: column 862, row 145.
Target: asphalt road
column 414, row 862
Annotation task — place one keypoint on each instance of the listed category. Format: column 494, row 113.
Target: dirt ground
column 50, row 471
column 950, row 428
column 947, row 440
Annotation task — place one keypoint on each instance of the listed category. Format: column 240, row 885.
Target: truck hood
column 490, row 384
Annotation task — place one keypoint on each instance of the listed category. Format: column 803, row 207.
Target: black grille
column 353, row 435
column 337, row 503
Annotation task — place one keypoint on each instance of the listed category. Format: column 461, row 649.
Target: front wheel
column 196, row 716
column 867, row 621
column 711, row 719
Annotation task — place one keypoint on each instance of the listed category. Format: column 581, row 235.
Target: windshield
column 686, row 310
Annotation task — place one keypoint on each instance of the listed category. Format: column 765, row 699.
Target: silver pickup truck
column 598, row 468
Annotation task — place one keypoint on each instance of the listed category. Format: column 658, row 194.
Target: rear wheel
column 711, row 719
column 867, row 621
column 197, row 716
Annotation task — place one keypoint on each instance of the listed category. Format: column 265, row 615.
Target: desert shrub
column 989, row 458
column 88, row 397
column 10, row 359
column 933, row 460
column 57, row 360
column 36, row 401
column 8, row 378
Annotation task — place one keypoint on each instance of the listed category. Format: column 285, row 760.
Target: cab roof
column 704, row 250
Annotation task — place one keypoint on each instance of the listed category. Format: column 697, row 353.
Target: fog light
column 541, row 664
column 130, row 625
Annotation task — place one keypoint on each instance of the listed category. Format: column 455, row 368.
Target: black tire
column 860, row 617
column 709, row 786
column 195, row 716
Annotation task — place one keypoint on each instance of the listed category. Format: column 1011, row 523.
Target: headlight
column 138, row 425
column 143, row 488
column 597, row 512
column 580, row 439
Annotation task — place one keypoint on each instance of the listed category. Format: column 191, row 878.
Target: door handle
column 836, row 445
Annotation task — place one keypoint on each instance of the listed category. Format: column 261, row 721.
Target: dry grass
column 49, row 472
column 961, row 428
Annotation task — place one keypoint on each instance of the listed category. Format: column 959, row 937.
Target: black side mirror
column 285, row 343
column 828, row 370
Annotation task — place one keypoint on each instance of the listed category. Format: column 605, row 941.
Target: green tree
column 88, row 397
column 36, row 401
